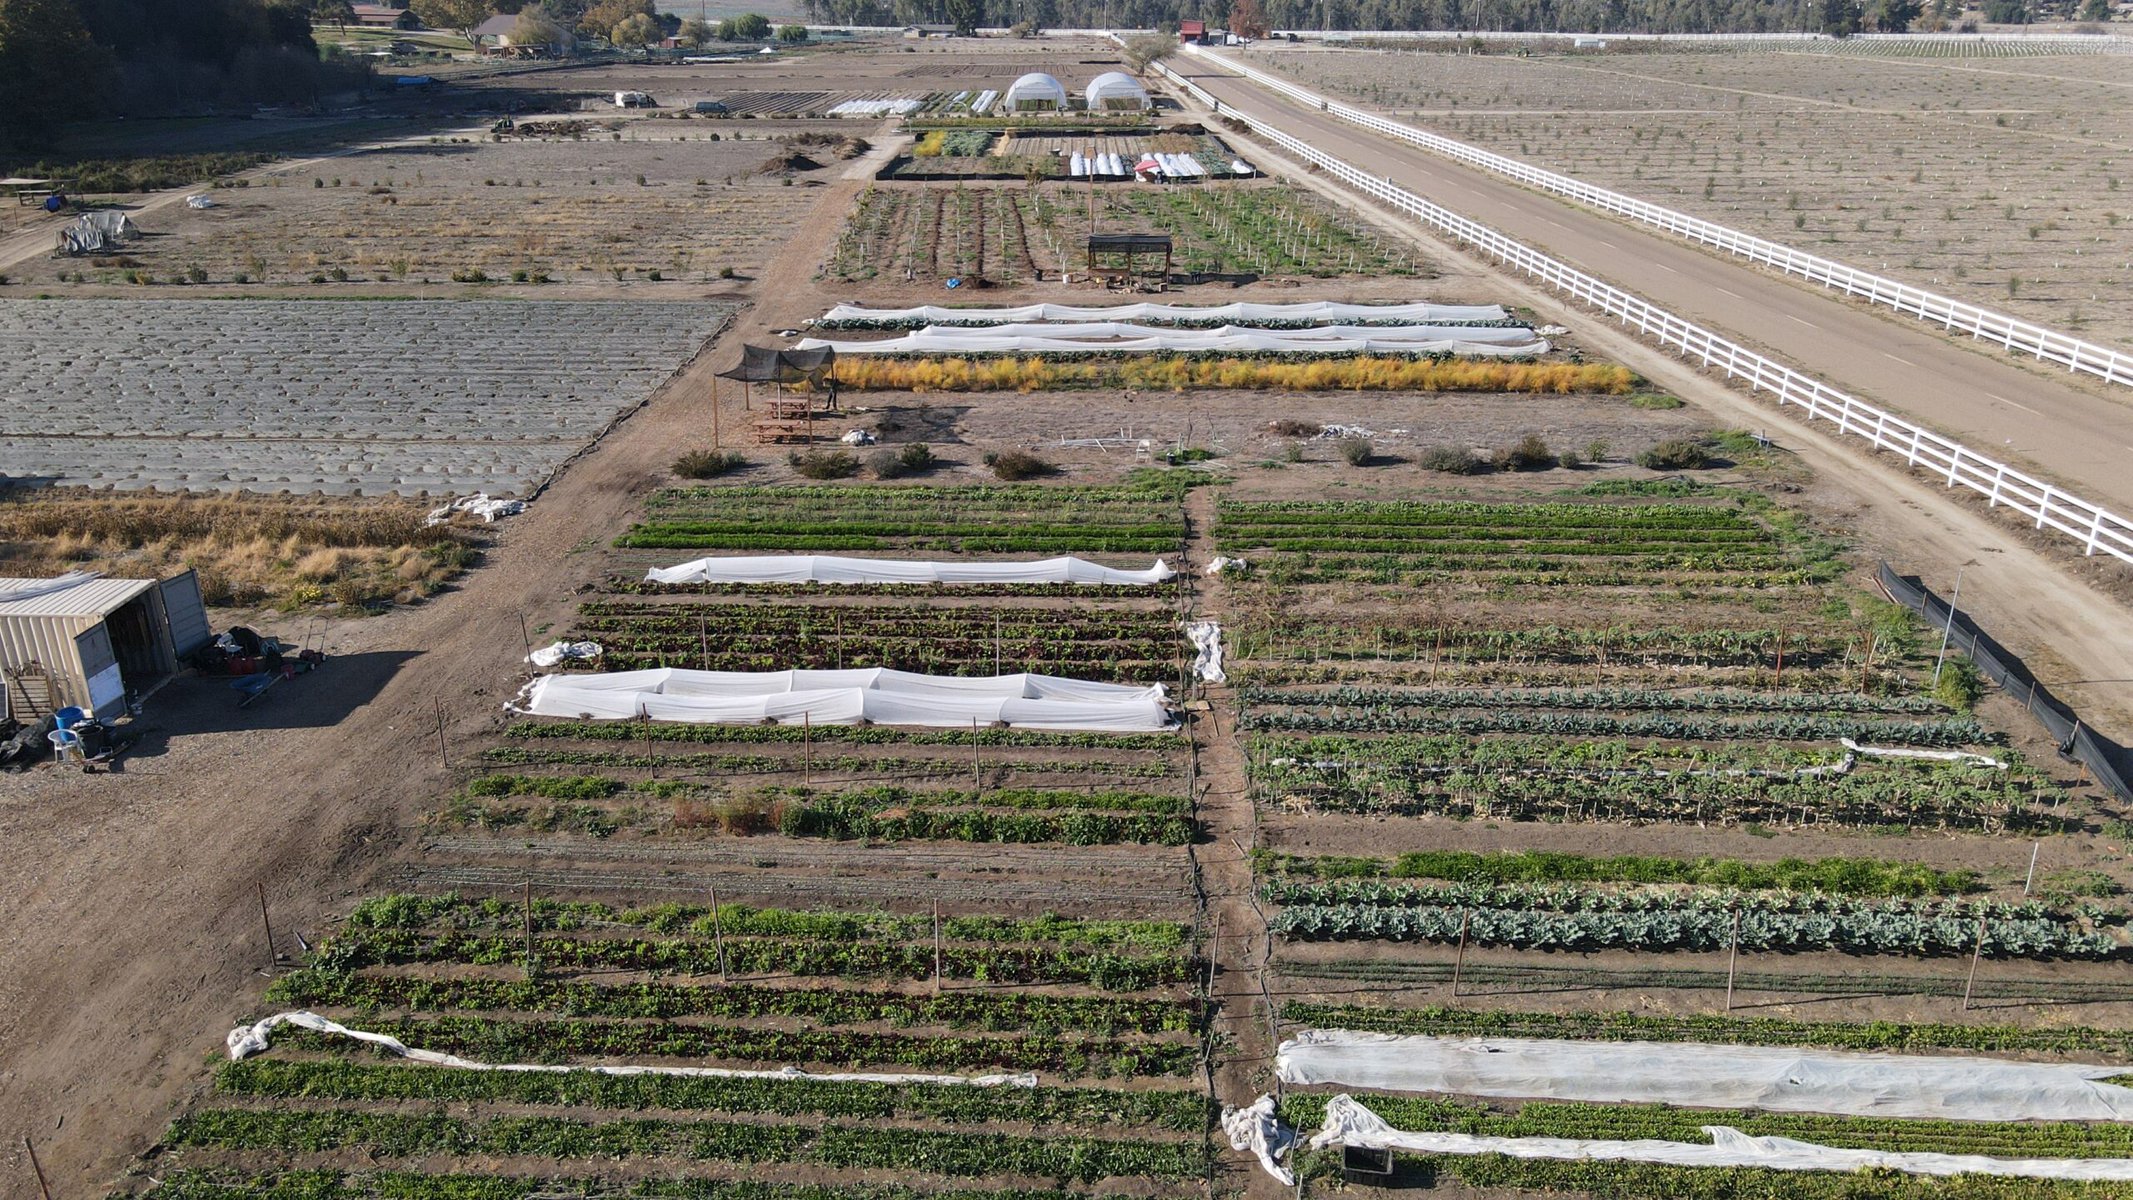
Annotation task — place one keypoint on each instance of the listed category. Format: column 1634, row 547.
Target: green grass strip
column 400, row 1185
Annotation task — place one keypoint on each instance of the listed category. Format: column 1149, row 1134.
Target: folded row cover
column 829, row 568
column 963, row 341
column 1080, row 165
column 1309, row 310
column 876, row 695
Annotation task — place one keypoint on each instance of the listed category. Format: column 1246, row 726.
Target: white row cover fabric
column 1311, row 310
column 1206, row 638
column 247, row 1040
column 875, row 694
column 1349, row 1123
column 952, row 337
column 829, row 568
column 565, row 651
column 1983, row 760
column 1774, row 1078
column 1256, row 1128
column 936, row 340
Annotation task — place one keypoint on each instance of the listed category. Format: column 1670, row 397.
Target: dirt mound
column 787, row 162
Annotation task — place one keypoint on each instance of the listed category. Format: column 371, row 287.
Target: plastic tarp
column 1773, row 1078
column 1071, row 339
column 1313, row 310
column 565, row 651
column 481, row 504
column 247, row 1040
column 1206, row 638
column 828, row 568
column 1257, row 1129
column 953, row 336
column 1349, row 1123
column 875, row 695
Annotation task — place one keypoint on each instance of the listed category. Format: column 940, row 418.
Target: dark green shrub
column 1452, row 460
column 1529, row 453
column 1355, row 451
column 708, row 464
column 824, row 464
column 1675, row 454
column 1015, row 465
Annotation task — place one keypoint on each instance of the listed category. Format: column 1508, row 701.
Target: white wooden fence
column 1954, row 315
column 2046, row 506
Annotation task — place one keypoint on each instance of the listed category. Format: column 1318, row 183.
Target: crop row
column 405, row 912
column 1508, row 572
column 840, row 764
column 856, row 735
column 1283, row 636
column 1534, row 975
column 1132, row 518
column 783, row 956
column 846, row 820
column 991, row 1011
column 1659, row 1122
column 1104, row 370
column 1588, row 898
column 1721, row 1030
column 195, row 1184
column 1838, row 876
column 1618, row 699
column 1946, row 732
column 1880, row 797
column 630, row 585
column 1336, row 515
column 600, row 787
column 1643, row 922
column 406, row 1135
column 553, row 1040
column 1044, row 1106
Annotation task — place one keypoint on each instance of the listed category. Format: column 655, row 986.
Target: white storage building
column 1035, row 92
column 1118, row 92
column 86, row 641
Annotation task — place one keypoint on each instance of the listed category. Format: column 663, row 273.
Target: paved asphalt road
column 2075, row 434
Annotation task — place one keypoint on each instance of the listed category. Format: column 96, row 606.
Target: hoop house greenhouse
column 1035, row 92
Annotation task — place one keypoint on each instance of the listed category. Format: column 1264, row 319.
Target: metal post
column 443, row 758
column 43, row 1189
column 1949, row 629
column 718, row 935
column 936, row 945
column 1732, row 960
column 807, row 748
column 703, row 639
column 2031, row 878
column 977, row 777
column 716, row 444
column 525, row 635
column 267, row 925
column 526, row 908
column 996, row 643
column 1976, row 952
column 1459, row 962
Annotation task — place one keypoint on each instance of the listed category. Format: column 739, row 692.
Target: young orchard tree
column 459, row 16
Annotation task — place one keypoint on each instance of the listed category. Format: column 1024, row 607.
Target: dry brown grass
column 285, row 552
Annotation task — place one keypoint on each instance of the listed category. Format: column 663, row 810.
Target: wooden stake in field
column 1459, row 962
column 43, row 1189
column 715, row 443
column 2034, row 848
column 526, row 909
column 526, row 636
column 936, row 945
column 807, row 748
column 1976, row 952
column 977, row 773
column 268, row 926
column 443, row 759
column 1732, row 960
column 703, row 639
column 718, row 935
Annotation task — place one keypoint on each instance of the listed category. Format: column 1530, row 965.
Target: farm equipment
column 257, row 662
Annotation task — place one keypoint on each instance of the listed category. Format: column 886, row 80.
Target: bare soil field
column 1997, row 181
column 405, row 397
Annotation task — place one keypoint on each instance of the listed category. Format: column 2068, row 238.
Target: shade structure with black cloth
column 769, row 364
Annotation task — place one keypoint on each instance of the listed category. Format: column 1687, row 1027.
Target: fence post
column 1459, row 961
column 526, row 911
column 1732, row 960
column 2031, row 878
column 1976, row 952
column 272, row 956
column 718, row 936
column 43, row 1189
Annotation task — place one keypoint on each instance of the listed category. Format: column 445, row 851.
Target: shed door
column 99, row 670
column 186, row 614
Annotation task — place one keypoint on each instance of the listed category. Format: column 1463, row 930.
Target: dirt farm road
column 2070, row 430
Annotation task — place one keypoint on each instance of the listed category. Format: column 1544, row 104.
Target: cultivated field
column 2004, row 182
column 405, row 397
column 1552, row 709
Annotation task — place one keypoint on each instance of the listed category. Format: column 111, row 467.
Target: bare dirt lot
column 1997, row 181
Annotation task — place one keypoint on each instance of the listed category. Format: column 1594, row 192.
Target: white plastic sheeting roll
column 1258, row 1129
column 1311, row 310
column 1349, row 1123
column 833, row 569
column 1774, row 1078
column 247, row 1040
column 875, row 695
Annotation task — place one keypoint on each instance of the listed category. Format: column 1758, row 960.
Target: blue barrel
column 69, row 717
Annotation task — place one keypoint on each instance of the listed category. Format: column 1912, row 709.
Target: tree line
column 66, row 59
column 1510, row 16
